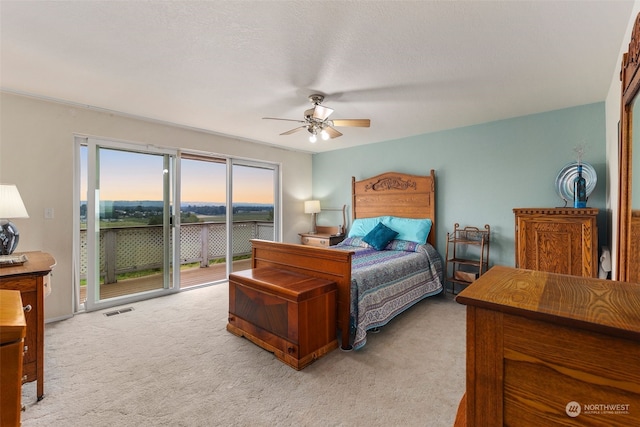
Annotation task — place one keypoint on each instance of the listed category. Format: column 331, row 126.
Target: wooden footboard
column 331, row 264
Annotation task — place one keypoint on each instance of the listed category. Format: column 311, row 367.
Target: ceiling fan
column 316, row 121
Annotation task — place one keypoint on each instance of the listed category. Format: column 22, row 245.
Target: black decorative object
column 9, row 237
column 579, row 190
column 11, row 206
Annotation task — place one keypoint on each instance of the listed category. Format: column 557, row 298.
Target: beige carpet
column 171, row 362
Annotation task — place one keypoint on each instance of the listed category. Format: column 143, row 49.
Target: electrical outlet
column 48, row 213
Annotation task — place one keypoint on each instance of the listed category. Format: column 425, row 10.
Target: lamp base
column 9, row 237
column 315, row 228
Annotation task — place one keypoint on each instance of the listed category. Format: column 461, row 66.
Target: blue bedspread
column 385, row 283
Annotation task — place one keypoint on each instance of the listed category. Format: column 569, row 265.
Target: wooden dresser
column 13, row 328
column 30, row 279
column 557, row 240
column 546, row 349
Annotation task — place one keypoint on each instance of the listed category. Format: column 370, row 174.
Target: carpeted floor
column 171, row 362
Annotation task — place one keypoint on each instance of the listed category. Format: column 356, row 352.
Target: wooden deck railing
column 189, row 277
column 139, row 248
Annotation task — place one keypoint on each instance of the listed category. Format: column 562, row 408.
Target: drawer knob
column 26, row 348
column 27, row 308
column 24, row 378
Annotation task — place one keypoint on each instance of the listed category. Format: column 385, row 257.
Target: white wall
column 36, row 154
column 612, row 112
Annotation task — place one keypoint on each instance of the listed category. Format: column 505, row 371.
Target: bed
column 374, row 285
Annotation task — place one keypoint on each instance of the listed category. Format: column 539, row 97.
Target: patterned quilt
column 386, row 283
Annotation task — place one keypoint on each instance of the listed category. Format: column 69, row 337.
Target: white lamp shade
column 11, row 205
column 312, row 206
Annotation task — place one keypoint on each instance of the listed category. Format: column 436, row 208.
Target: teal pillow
column 413, row 230
column 380, row 236
column 362, row 226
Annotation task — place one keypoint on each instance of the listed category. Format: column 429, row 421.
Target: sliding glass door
column 129, row 223
column 254, row 208
column 152, row 221
column 203, row 220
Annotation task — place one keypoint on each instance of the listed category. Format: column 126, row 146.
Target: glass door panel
column 203, row 219
column 254, row 205
column 129, row 224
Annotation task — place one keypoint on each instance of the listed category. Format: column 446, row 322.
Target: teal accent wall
column 483, row 171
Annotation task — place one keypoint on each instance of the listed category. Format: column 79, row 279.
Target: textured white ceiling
column 412, row 67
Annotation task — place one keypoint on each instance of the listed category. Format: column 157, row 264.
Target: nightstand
column 320, row 239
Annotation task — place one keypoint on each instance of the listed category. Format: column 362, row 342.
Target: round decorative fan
column 568, row 174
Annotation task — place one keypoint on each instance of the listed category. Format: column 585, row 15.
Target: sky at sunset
column 135, row 176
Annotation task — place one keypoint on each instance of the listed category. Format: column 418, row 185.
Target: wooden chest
column 287, row 313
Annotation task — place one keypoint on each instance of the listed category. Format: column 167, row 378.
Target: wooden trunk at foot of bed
column 334, row 265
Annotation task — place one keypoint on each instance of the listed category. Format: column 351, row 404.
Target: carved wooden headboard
column 396, row 194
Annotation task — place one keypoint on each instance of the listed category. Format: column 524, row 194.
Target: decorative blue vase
column 579, row 190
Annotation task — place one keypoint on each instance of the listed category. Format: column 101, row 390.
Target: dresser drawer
column 316, row 241
column 321, row 240
column 24, row 283
column 29, row 372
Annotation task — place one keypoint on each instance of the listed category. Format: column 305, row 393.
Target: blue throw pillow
column 380, row 236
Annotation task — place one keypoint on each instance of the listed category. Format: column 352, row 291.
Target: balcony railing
column 139, row 248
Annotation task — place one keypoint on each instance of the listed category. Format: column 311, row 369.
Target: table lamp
column 312, row 207
column 11, row 206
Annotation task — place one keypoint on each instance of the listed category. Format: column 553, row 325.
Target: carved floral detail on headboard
column 391, row 184
column 631, row 58
column 634, row 45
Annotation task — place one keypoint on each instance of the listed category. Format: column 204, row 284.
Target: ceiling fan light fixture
column 313, row 130
column 316, row 120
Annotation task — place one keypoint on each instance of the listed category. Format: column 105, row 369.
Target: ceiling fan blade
column 321, row 113
column 289, row 132
column 363, row 123
column 288, row 120
column 332, row 132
